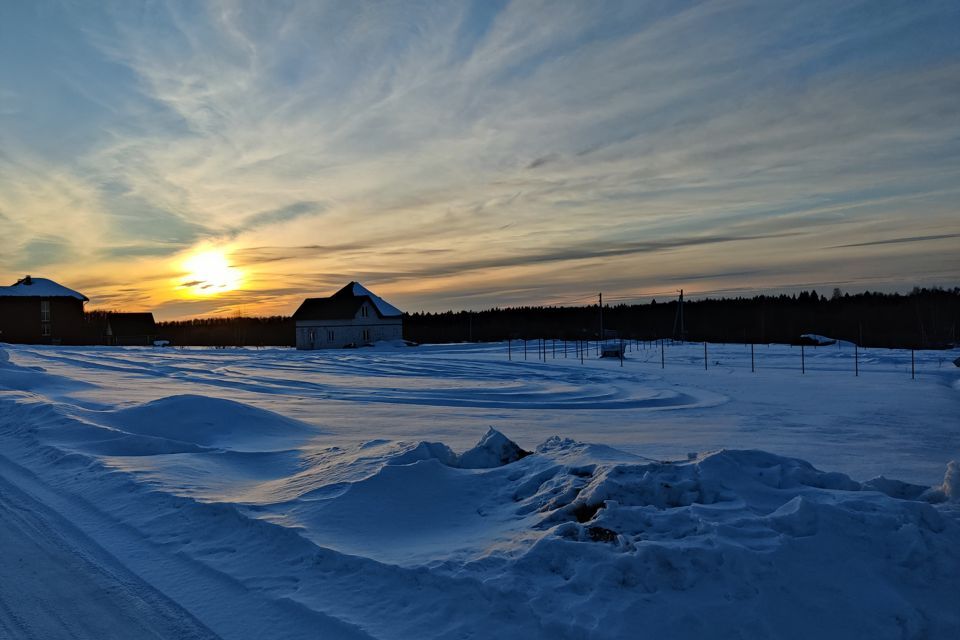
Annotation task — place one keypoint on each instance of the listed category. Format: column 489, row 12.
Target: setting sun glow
column 209, row 273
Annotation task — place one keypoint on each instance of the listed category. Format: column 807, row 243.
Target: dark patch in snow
column 602, row 534
column 584, row 512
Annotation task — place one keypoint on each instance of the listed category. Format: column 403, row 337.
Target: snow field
column 281, row 493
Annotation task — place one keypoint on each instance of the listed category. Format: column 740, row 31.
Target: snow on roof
column 384, row 307
column 344, row 305
column 30, row 287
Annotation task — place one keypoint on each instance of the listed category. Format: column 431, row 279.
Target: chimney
column 27, row 280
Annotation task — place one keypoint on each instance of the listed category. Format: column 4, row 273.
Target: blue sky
column 458, row 155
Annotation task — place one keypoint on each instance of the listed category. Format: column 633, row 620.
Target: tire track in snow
column 148, row 577
column 57, row 583
column 421, row 379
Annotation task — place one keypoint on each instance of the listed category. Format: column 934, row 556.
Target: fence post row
column 582, row 347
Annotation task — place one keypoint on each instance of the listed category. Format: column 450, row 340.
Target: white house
column 353, row 316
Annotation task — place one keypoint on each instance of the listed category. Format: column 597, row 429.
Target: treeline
column 924, row 318
column 224, row 332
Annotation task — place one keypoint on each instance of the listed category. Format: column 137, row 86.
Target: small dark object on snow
column 602, row 534
column 957, row 362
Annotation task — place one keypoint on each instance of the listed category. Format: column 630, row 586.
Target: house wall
column 20, row 320
column 314, row 334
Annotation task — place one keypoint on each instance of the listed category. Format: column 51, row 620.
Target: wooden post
column 554, row 348
column 803, row 362
column 524, row 348
column 704, row 355
column 752, row 366
column 856, row 360
column 663, row 360
column 581, row 352
column 621, row 352
column 509, row 355
column 913, row 367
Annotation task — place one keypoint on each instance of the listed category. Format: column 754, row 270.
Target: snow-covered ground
column 361, row 494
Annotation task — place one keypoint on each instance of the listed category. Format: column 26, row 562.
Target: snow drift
column 259, row 525
column 208, row 422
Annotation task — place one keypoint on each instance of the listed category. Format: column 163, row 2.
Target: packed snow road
column 57, row 583
column 274, row 493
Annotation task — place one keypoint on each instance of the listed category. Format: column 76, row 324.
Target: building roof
column 344, row 305
column 131, row 324
column 29, row 287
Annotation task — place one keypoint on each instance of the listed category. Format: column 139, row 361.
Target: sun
column 209, row 273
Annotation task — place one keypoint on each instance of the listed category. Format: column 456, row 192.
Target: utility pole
column 679, row 330
column 601, row 317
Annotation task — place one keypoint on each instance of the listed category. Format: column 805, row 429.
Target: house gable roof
column 30, row 287
column 131, row 324
column 344, row 305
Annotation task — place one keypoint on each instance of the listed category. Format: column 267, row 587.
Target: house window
column 364, row 311
column 330, row 335
column 45, row 312
column 45, row 329
column 366, row 335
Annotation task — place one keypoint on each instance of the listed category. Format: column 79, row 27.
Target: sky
column 223, row 158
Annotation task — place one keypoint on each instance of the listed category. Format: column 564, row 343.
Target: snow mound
column 388, row 345
column 493, row 450
column 949, row 491
column 209, row 422
column 426, row 451
column 754, row 537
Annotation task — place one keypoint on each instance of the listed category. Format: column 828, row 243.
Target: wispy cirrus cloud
column 874, row 243
column 448, row 151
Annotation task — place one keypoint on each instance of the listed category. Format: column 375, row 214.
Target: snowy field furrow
column 448, row 492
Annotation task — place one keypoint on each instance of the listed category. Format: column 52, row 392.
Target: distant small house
column 353, row 316
column 40, row 311
column 129, row 329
